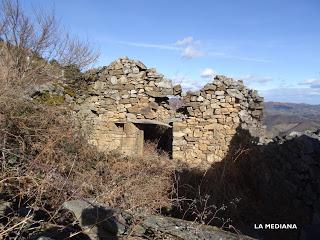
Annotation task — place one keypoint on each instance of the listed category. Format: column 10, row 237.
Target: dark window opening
column 120, row 125
column 183, row 110
column 162, row 100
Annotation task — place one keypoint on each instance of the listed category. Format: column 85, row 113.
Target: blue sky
column 272, row 45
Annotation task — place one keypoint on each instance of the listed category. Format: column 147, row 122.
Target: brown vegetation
column 44, row 159
column 213, row 196
column 44, row 162
column 34, row 49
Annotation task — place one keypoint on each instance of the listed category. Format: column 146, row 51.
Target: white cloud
column 186, row 82
column 311, row 82
column 208, row 73
column 258, row 79
column 191, row 48
column 187, row 47
column 191, row 52
column 185, row 41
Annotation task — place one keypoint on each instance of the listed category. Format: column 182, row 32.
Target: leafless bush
column 44, row 162
column 76, row 52
column 195, row 200
column 213, row 196
column 29, row 42
column 138, row 184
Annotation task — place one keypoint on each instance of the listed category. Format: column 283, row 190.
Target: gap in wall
column 158, row 134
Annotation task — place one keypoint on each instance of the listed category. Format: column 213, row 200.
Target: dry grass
column 45, row 161
column 35, row 49
column 139, row 184
column 213, row 196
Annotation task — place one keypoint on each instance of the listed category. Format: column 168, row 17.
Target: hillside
column 120, row 152
column 283, row 118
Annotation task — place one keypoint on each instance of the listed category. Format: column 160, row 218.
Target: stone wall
column 127, row 91
column 125, row 137
column 212, row 117
column 285, row 177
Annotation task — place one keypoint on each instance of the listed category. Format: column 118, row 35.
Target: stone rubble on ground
column 101, row 221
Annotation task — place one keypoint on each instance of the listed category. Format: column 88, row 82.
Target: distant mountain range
column 283, row 118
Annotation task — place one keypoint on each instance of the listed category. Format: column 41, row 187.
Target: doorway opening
column 161, row 135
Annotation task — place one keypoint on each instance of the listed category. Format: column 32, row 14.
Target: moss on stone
column 68, row 90
column 51, row 99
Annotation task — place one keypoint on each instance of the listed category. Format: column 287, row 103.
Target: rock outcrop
column 101, row 222
column 291, row 168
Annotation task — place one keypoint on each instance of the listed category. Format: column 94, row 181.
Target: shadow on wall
column 275, row 183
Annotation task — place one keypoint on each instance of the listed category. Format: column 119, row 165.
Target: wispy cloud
column 186, row 82
column 191, row 52
column 189, row 48
column 187, row 41
column 258, row 79
column 208, row 73
column 297, row 95
column 311, row 82
column 150, row 45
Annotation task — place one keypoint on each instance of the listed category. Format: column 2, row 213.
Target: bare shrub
column 29, row 42
column 44, row 162
column 140, row 184
column 76, row 52
column 213, row 196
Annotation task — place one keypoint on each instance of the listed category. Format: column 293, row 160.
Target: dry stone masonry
column 126, row 96
column 123, row 97
column 213, row 116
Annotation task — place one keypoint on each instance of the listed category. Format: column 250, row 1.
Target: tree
column 28, row 43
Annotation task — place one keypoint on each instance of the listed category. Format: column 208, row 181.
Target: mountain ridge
column 281, row 118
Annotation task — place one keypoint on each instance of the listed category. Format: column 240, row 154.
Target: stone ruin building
column 122, row 106
column 128, row 104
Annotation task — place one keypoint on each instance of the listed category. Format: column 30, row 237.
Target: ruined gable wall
column 212, row 117
column 125, row 91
